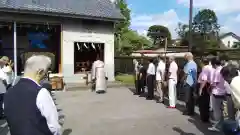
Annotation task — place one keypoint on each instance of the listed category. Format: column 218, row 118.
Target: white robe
column 98, row 73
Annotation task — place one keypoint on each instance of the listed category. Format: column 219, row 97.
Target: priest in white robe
column 99, row 76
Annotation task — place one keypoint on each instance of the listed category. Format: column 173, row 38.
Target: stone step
column 81, row 86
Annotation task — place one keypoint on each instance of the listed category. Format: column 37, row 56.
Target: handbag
column 230, row 127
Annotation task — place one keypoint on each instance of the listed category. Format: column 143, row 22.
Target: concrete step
column 81, row 86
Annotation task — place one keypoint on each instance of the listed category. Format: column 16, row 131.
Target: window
column 228, row 44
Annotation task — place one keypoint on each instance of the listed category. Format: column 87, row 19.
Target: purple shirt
column 205, row 75
column 218, row 82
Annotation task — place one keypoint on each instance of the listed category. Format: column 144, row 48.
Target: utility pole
column 190, row 25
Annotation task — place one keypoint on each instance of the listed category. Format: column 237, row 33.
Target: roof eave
column 62, row 15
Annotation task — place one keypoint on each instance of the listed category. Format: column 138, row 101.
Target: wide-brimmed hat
column 4, row 58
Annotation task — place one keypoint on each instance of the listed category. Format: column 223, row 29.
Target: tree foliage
column 127, row 40
column 204, row 32
column 236, row 45
column 158, row 33
column 206, row 22
column 123, row 26
column 182, row 30
column 131, row 40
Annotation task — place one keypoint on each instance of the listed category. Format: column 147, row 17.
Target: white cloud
column 219, row 6
column 232, row 25
column 168, row 19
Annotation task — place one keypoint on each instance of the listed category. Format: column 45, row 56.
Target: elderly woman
column 29, row 108
column 3, row 84
column 230, row 75
column 7, row 69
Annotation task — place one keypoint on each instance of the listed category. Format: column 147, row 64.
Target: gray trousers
column 217, row 106
column 230, row 108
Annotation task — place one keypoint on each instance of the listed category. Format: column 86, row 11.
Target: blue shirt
column 190, row 70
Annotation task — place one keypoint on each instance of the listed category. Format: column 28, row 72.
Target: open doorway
column 32, row 39
column 85, row 53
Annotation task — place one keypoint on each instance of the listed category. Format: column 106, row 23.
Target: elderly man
column 218, row 94
column 29, row 108
column 190, row 81
column 150, row 79
column 204, row 81
column 172, row 82
column 160, row 73
column 136, row 74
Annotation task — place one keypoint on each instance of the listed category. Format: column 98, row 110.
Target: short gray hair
column 189, row 54
column 171, row 57
column 36, row 63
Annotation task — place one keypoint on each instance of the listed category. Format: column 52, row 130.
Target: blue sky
column 169, row 12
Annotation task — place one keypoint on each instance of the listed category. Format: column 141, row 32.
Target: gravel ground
column 119, row 112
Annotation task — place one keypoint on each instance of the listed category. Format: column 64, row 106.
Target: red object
column 171, row 107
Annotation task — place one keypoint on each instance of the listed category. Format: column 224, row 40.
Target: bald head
column 171, row 58
column 36, row 67
column 189, row 56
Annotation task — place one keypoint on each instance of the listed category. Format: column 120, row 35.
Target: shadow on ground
column 3, row 127
column 67, row 132
column 181, row 132
column 195, row 120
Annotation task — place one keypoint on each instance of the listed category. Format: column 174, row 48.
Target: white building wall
column 230, row 39
column 76, row 32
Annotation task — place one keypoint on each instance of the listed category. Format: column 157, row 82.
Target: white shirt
column 173, row 69
column 160, row 70
column 46, row 106
column 151, row 69
column 136, row 66
column 9, row 74
column 3, row 77
column 227, row 87
column 235, row 87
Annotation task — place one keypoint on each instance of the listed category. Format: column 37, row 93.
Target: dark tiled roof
column 85, row 8
column 230, row 34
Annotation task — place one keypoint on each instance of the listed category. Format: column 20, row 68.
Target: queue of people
column 208, row 90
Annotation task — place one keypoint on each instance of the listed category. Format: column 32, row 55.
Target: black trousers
column 150, row 86
column 189, row 99
column 1, row 104
column 141, row 84
column 203, row 102
column 136, row 83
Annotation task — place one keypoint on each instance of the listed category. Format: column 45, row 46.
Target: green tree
column 122, row 26
column 132, row 41
column 206, row 22
column 236, row 45
column 182, row 30
column 158, row 33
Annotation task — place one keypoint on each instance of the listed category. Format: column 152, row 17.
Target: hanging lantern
column 93, row 46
